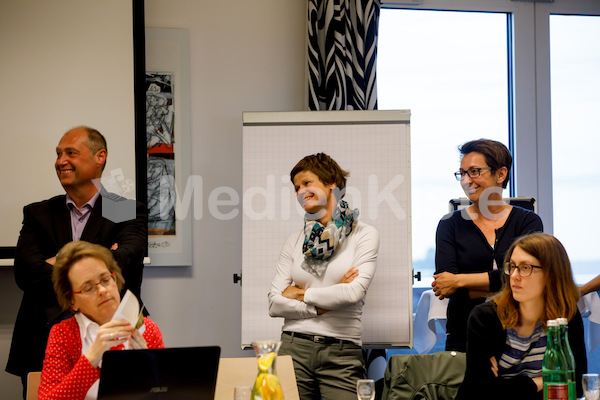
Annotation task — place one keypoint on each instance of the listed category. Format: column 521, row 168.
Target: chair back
column 527, row 203
column 243, row 371
column 434, row 376
column 33, row 383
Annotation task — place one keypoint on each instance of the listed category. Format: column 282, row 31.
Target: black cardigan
column 486, row 338
column 461, row 248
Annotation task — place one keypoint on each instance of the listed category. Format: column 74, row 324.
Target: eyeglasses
column 92, row 288
column 524, row 269
column 472, row 172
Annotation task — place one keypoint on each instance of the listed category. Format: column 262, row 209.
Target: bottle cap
column 562, row 321
column 552, row 322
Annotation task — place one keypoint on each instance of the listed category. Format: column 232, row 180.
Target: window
column 575, row 80
column 455, row 84
column 553, row 94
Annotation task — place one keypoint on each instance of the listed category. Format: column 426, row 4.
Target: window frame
column 529, row 85
column 543, row 92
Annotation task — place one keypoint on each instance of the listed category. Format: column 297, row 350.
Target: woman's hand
column 137, row 341
column 445, row 284
column 347, row 278
column 539, row 382
column 350, row 275
column 111, row 334
column 494, row 366
column 294, row 293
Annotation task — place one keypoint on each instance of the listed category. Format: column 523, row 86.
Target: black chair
column 527, row 203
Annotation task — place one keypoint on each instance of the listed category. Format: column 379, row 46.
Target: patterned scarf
column 321, row 241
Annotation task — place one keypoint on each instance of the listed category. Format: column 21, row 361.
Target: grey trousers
column 324, row 370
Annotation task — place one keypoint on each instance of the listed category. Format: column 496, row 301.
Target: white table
column 589, row 306
column 430, row 309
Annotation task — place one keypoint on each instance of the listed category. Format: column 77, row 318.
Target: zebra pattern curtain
column 342, row 61
column 342, row 52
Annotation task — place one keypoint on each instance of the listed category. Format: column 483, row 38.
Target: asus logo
column 159, row 389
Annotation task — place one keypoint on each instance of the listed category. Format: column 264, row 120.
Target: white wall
column 245, row 56
column 61, row 68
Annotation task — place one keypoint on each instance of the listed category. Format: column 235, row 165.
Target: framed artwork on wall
column 168, row 146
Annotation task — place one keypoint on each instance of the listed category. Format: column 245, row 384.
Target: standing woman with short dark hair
column 471, row 243
column 319, row 287
column 507, row 338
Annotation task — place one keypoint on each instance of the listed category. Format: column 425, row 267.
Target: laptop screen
column 181, row 373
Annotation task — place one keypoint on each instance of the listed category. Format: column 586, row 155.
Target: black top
column 486, row 338
column 461, row 248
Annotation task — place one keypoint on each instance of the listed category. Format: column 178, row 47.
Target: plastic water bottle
column 554, row 366
column 566, row 347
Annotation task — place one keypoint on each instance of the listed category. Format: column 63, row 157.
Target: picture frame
column 168, row 146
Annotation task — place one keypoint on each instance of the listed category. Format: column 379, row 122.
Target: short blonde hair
column 68, row 256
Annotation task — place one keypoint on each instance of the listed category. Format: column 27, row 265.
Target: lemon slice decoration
column 267, row 385
column 274, row 387
column 265, row 362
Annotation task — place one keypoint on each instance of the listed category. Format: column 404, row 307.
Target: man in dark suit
column 48, row 225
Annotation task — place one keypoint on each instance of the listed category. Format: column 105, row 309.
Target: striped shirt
column 523, row 355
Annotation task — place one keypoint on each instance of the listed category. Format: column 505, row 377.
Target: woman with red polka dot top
column 87, row 281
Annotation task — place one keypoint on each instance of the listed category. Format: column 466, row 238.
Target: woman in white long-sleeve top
column 322, row 278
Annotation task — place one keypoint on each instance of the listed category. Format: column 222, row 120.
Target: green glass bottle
column 554, row 366
column 564, row 338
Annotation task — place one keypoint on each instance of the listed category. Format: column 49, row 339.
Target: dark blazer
column 487, row 338
column 46, row 228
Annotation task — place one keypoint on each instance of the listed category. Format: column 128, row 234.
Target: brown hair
column 95, row 141
column 496, row 154
column 324, row 167
column 68, row 256
column 560, row 291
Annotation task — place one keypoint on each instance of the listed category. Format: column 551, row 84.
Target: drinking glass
column 365, row 389
column 591, row 386
column 242, row 393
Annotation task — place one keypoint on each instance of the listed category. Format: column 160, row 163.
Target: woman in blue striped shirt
column 506, row 337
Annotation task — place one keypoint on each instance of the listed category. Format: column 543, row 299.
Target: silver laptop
column 181, row 373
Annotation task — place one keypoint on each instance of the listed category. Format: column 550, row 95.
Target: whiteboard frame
column 325, row 117
column 251, row 119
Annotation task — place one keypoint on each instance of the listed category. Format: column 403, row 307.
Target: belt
column 318, row 339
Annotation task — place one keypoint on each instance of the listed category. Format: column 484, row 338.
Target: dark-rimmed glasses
column 525, row 270
column 92, row 288
column 472, row 172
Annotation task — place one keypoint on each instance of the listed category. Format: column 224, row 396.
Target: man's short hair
column 95, row 141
